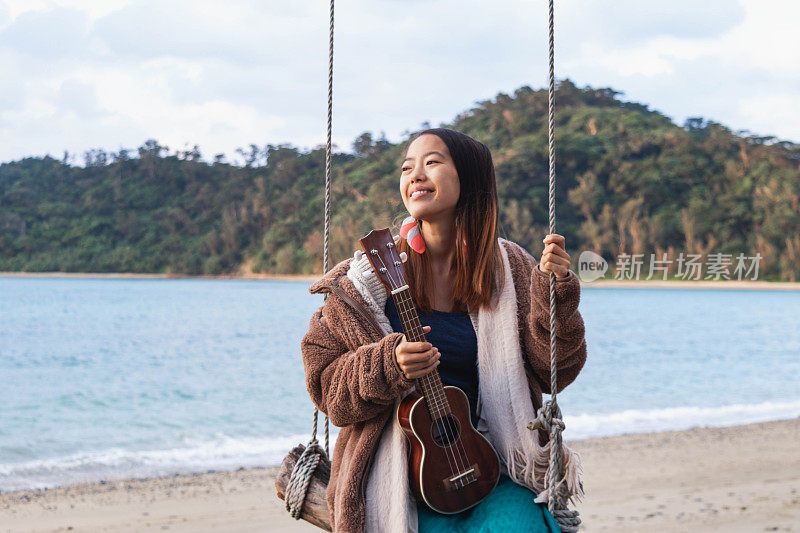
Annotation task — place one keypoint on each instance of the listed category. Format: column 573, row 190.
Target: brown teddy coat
column 352, row 375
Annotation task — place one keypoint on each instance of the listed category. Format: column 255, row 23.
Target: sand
column 735, row 479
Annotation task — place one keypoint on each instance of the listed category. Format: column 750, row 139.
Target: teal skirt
column 509, row 507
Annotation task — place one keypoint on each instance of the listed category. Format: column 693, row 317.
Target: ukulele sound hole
column 445, row 430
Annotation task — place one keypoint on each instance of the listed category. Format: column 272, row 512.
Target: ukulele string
column 438, row 404
column 462, row 460
column 460, row 455
column 406, row 313
column 457, row 448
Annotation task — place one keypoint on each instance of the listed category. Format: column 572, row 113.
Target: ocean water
column 112, row 378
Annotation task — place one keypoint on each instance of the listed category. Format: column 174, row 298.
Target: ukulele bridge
column 462, row 479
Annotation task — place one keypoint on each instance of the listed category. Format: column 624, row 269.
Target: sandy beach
column 734, row 479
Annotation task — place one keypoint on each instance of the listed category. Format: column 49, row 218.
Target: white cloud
column 760, row 108
column 83, row 74
column 632, row 22
column 55, row 34
column 719, row 76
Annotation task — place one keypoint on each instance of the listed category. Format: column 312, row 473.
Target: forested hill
column 629, row 180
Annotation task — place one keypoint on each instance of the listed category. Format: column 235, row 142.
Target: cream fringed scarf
column 506, row 410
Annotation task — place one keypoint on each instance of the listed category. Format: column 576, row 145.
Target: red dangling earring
column 410, row 232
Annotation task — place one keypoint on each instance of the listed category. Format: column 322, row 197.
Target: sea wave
column 229, row 453
column 585, row 426
column 221, row 453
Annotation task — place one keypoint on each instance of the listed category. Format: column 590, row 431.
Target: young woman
column 359, row 364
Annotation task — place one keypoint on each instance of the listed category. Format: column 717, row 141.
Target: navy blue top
column 454, row 336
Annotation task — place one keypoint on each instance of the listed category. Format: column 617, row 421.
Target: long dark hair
column 477, row 262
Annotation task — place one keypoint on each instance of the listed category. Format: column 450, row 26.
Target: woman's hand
column 555, row 258
column 416, row 359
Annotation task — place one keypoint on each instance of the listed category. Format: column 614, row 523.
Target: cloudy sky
column 109, row 74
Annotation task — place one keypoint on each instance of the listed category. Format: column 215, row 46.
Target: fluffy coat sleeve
column 534, row 311
column 570, row 330
column 349, row 385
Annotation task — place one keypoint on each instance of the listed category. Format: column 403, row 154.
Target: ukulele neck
column 430, row 385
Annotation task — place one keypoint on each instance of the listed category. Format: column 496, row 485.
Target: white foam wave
column 675, row 418
column 228, row 453
column 221, row 453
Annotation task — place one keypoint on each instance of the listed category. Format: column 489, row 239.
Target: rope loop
column 548, row 418
column 568, row 520
column 303, row 471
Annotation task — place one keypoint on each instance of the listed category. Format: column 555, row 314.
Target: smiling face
column 429, row 167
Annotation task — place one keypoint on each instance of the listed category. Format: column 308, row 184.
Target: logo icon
column 591, row 266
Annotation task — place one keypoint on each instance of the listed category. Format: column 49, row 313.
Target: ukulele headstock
column 382, row 254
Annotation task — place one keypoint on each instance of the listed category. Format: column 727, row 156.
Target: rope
column 327, row 196
column 549, row 415
column 303, row 471
column 548, row 418
column 300, row 479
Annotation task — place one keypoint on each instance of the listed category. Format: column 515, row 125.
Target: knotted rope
column 548, row 417
column 303, row 471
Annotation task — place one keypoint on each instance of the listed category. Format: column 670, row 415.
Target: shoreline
column 700, row 284
column 310, row 278
column 135, row 275
column 736, row 478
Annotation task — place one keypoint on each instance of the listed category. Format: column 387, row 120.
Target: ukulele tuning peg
column 403, row 257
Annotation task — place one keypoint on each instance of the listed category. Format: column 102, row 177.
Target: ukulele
column 452, row 467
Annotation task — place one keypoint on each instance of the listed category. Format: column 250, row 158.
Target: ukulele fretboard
column 430, row 386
